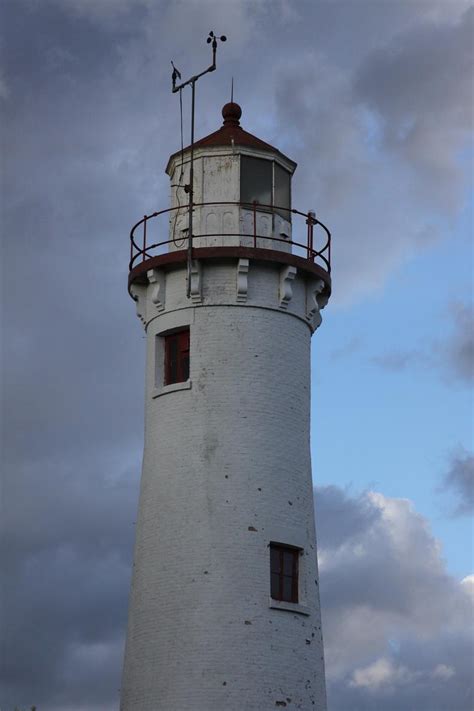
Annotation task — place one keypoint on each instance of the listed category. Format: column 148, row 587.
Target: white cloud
column 442, row 671
column 382, row 673
column 468, row 582
column 397, row 626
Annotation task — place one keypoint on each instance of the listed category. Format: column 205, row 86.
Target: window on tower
column 284, row 565
column 267, row 183
column 281, row 190
column 177, row 357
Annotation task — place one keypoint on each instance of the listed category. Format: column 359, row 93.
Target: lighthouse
column 224, row 610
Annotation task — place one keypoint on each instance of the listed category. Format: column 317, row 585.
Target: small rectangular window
column 284, row 563
column 177, row 357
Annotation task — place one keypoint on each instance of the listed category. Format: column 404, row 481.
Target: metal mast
column 189, row 188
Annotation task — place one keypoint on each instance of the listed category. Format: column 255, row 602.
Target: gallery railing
column 309, row 238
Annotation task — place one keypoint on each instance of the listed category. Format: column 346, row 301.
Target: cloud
column 342, row 516
column 419, row 85
column 347, row 348
column 441, row 671
column 459, row 352
column 452, row 358
column 382, row 673
column 396, row 624
column 459, row 481
column 67, row 553
column 397, row 361
column 379, row 146
column 100, row 88
column 384, row 676
column 89, row 122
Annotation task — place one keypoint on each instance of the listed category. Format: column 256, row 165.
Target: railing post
column 308, row 253
column 144, row 238
column 310, row 222
column 255, row 224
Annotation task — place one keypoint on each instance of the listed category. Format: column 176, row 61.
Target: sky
column 373, row 99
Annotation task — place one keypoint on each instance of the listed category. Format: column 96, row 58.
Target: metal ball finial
column 231, row 114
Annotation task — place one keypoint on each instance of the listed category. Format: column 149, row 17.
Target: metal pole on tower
column 189, row 188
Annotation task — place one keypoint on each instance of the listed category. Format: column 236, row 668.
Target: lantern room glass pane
column 282, row 192
column 255, row 180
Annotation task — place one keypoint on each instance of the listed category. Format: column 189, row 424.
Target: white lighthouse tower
column 224, row 606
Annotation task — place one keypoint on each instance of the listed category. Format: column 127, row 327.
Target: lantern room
column 241, row 207
column 242, row 188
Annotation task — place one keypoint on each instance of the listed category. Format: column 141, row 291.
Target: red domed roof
column 231, row 133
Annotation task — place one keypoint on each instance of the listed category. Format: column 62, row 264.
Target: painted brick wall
column 226, row 470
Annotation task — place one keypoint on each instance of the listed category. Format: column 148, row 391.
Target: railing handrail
column 311, row 221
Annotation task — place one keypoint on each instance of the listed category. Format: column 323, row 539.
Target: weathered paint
column 226, row 469
column 217, row 179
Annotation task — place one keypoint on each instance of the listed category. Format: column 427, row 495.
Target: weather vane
column 189, row 188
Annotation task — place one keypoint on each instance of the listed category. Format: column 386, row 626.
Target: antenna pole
column 212, row 39
column 191, row 192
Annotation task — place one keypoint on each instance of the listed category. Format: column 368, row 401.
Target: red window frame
column 284, row 572
column 177, row 357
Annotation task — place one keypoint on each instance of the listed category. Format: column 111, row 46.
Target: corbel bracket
column 242, row 280
column 287, row 275
column 316, row 301
column 157, row 280
column 196, row 282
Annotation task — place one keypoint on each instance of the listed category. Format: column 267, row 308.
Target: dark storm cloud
column 459, row 481
column 88, row 124
column 396, row 625
column 71, row 194
column 72, row 422
column 66, row 555
column 420, row 86
column 381, row 197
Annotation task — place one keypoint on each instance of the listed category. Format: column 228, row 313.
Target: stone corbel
column 196, row 282
column 242, row 280
column 287, row 274
column 316, row 301
column 139, row 296
column 157, row 280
